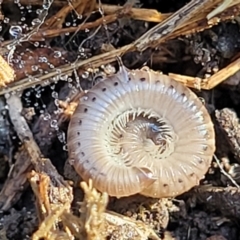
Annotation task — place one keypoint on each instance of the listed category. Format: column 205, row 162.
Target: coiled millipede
column 141, row 132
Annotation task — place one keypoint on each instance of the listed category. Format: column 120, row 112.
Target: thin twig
column 224, row 172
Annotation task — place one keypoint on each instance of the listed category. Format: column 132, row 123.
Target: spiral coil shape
column 139, row 131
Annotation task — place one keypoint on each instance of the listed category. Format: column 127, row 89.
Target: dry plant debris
column 17, row 178
column 47, row 230
column 92, row 211
column 225, row 200
column 98, row 221
column 7, row 74
column 172, row 27
column 94, row 223
column 59, row 189
column 212, row 81
column 16, row 181
column 230, row 125
column 49, row 187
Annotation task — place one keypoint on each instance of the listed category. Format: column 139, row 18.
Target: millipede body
column 139, row 131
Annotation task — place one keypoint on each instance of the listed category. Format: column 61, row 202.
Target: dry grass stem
column 172, row 25
column 7, row 74
column 211, row 82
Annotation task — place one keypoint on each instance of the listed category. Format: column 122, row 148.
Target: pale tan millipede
column 139, row 131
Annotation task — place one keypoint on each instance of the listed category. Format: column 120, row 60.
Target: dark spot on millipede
column 129, row 79
column 115, row 84
column 85, row 110
column 142, row 79
column 78, row 133
column 104, row 89
column 180, row 180
column 80, row 122
column 191, row 175
column 93, row 169
column 171, row 87
column 158, row 81
column 79, row 144
column 183, row 95
column 165, row 185
column 93, row 99
column 83, row 154
column 205, row 148
column 200, row 160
